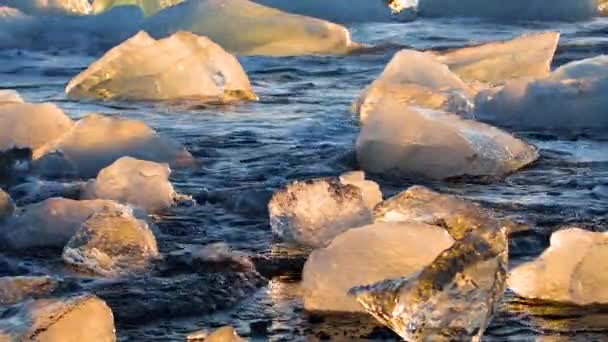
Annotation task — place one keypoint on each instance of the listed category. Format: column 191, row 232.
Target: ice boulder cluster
column 182, row 66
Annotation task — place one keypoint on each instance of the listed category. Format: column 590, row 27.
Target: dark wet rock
column 112, row 242
column 81, row 318
column 7, row 206
column 259, row 328
column 16, row 289
column 315, row 211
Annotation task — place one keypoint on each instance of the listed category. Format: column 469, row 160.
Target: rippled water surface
column 302, row 128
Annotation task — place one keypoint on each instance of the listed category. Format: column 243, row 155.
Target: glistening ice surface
column 302, row 128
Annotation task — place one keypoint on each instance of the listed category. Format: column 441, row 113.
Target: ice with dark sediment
column 401, row 141
column 571, row 271
column 269, row 31
column 571, row 97
column 141, row 183
column 313, row 212
column 142, row 68
column 454, row 297
column 96, row 141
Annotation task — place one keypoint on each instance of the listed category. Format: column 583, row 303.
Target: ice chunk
column 26, row 125
column 343, row 11
column 7, row 206
column 141, row 183
column 112, row 243
column 7, row 96
column 367, row 255
column 81, row 318
column 567, row 10
column 50, row 223
column 97, row 141
column 16, row 289
column 602, row 7
column 50, row 6
column 572, row 97
column 149, row 7
column 399, row 141
column 453, row 298
column 418, row 79
column 370, row 189
column 527, row 56
column 183, row 66
column 254, row 29
column 572, row 270
column 313, row 212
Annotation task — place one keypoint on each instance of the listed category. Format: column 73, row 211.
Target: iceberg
column 72, row 7
column 527, row 56
column 399, row 141
column 25, row 125
column 367, row 255
column 572, row 270
column 313, row 212
column 141, row 183
column 97, row 141
column 514, row 10
column 48, row 224
column 571, row 97
column 149, row 7
column 112, row 243
column 254, row 29
column 182, row 66
column 418, row 79
column 75, row 318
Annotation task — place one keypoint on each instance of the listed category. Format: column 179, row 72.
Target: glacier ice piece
column 254, row 29
column 26, row 125
column 8, row 96
column 397, row 141
column 182, row 66
column 16, row 289
column 367, row 255
column 571, row 97
column 149, row 7
column 572, row 270
column 372, row 195
column 527, row 56
column 72, row 7
column 112, row 243
column 141, row 183
column 76, row 318
column 313, row 212
column 416, row 78
column 50, row 223
column 96, row 141
column 453, row 298
column 514, row 10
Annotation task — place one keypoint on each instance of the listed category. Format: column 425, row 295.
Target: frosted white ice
column 572, row 270
column 96, row 141
column 366, row 255
column 182, row 66
column 254, row 29
column 141, row 183
column 397, row 141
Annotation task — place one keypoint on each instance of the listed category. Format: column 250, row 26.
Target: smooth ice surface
column 367, row 255
column 399, row 141
column 369, row 189
column 8, row 95
column 149, row 7
column 28, row 125
column 415, row 78
column 571, row 97
column 313, row 212
column 254, row 29
column 50, row 6
column 7, row 206
column 527, row 56
column 182, row 66
column 572, row 270
column 341, row 11
column 96, row 141
column 513, row 10
column 141, row 183
column 50, row 223
column 112, row 243
column 82, row 318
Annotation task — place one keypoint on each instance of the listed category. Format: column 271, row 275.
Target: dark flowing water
column 302, row 128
